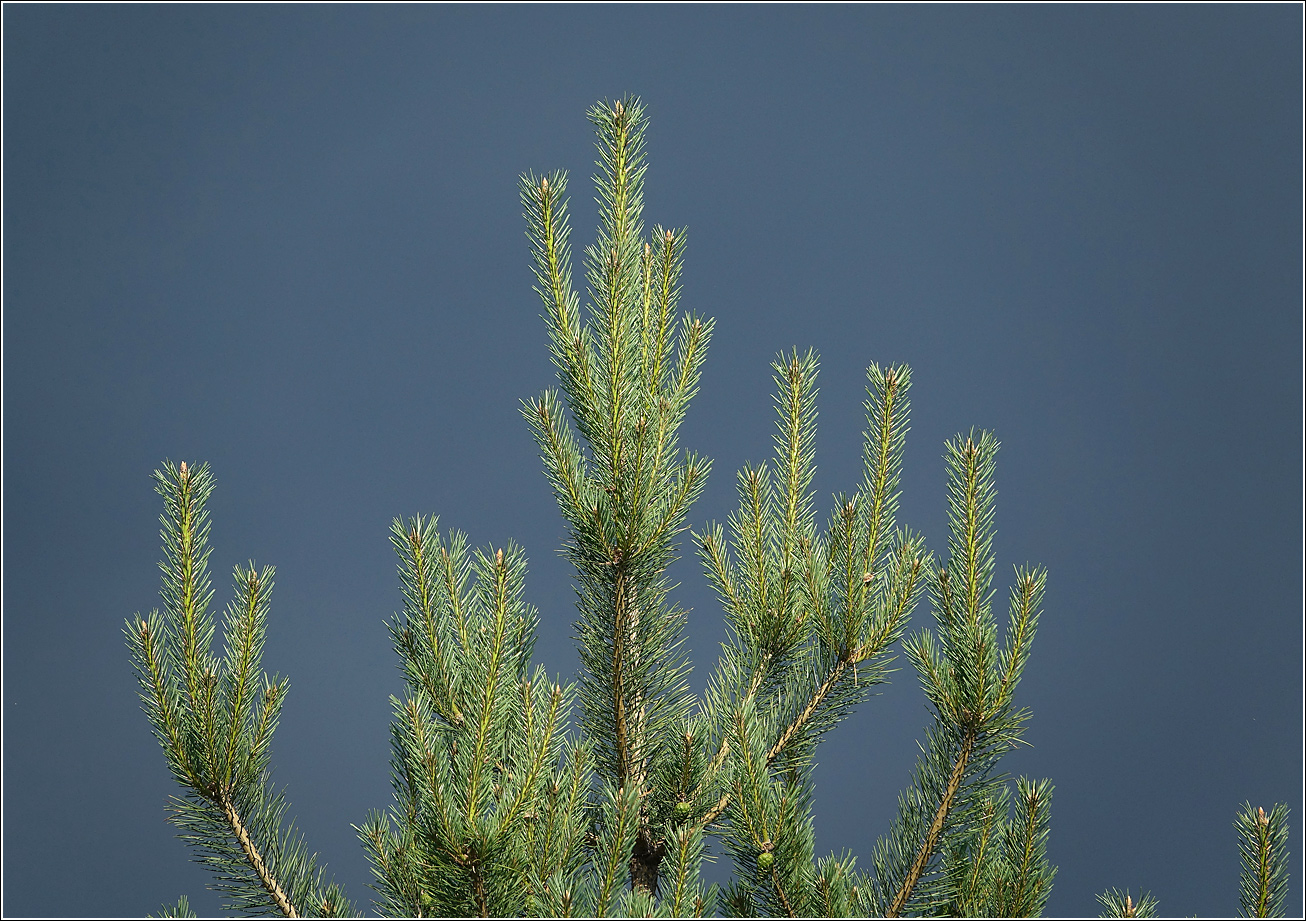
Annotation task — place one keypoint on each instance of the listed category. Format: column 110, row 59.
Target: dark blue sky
column 287, row 241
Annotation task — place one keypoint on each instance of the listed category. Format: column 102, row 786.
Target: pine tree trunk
column 644, row 860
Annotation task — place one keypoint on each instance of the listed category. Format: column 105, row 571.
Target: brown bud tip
column 544, row 184
column 181, row 471
column 866, row 578
column 498, row 557
column 1261, row 816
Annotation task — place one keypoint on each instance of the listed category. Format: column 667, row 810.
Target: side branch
column 256, row 860
column 785, row 737
column 779, row 890
column 936, row 827
column 822, row 692
column 758, row 674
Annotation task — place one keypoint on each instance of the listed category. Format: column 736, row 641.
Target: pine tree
column 519, row 794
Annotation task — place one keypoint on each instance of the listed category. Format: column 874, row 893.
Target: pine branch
column 887, row 415
column 614, row 842
column 1117, row 904
column 974, row 867
column 212, row 722
column 774, row 537
column 926, row 850
column 1263, row 846
column 181, row 910
column 970, row 682
column 269, row 882
column 685, row 895
column 1030, row 879
column 769, row 832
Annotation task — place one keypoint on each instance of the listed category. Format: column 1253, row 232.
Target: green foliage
column 1263, row 845
column 956, row 807
column 215, row 717
column 478, row 743
column 1117, row 904
column 515, row 794
column 181, row 910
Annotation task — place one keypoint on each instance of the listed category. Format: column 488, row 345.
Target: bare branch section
column 931, row 841
column 247, row 846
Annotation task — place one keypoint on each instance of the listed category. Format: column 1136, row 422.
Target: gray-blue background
column 287, row 241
